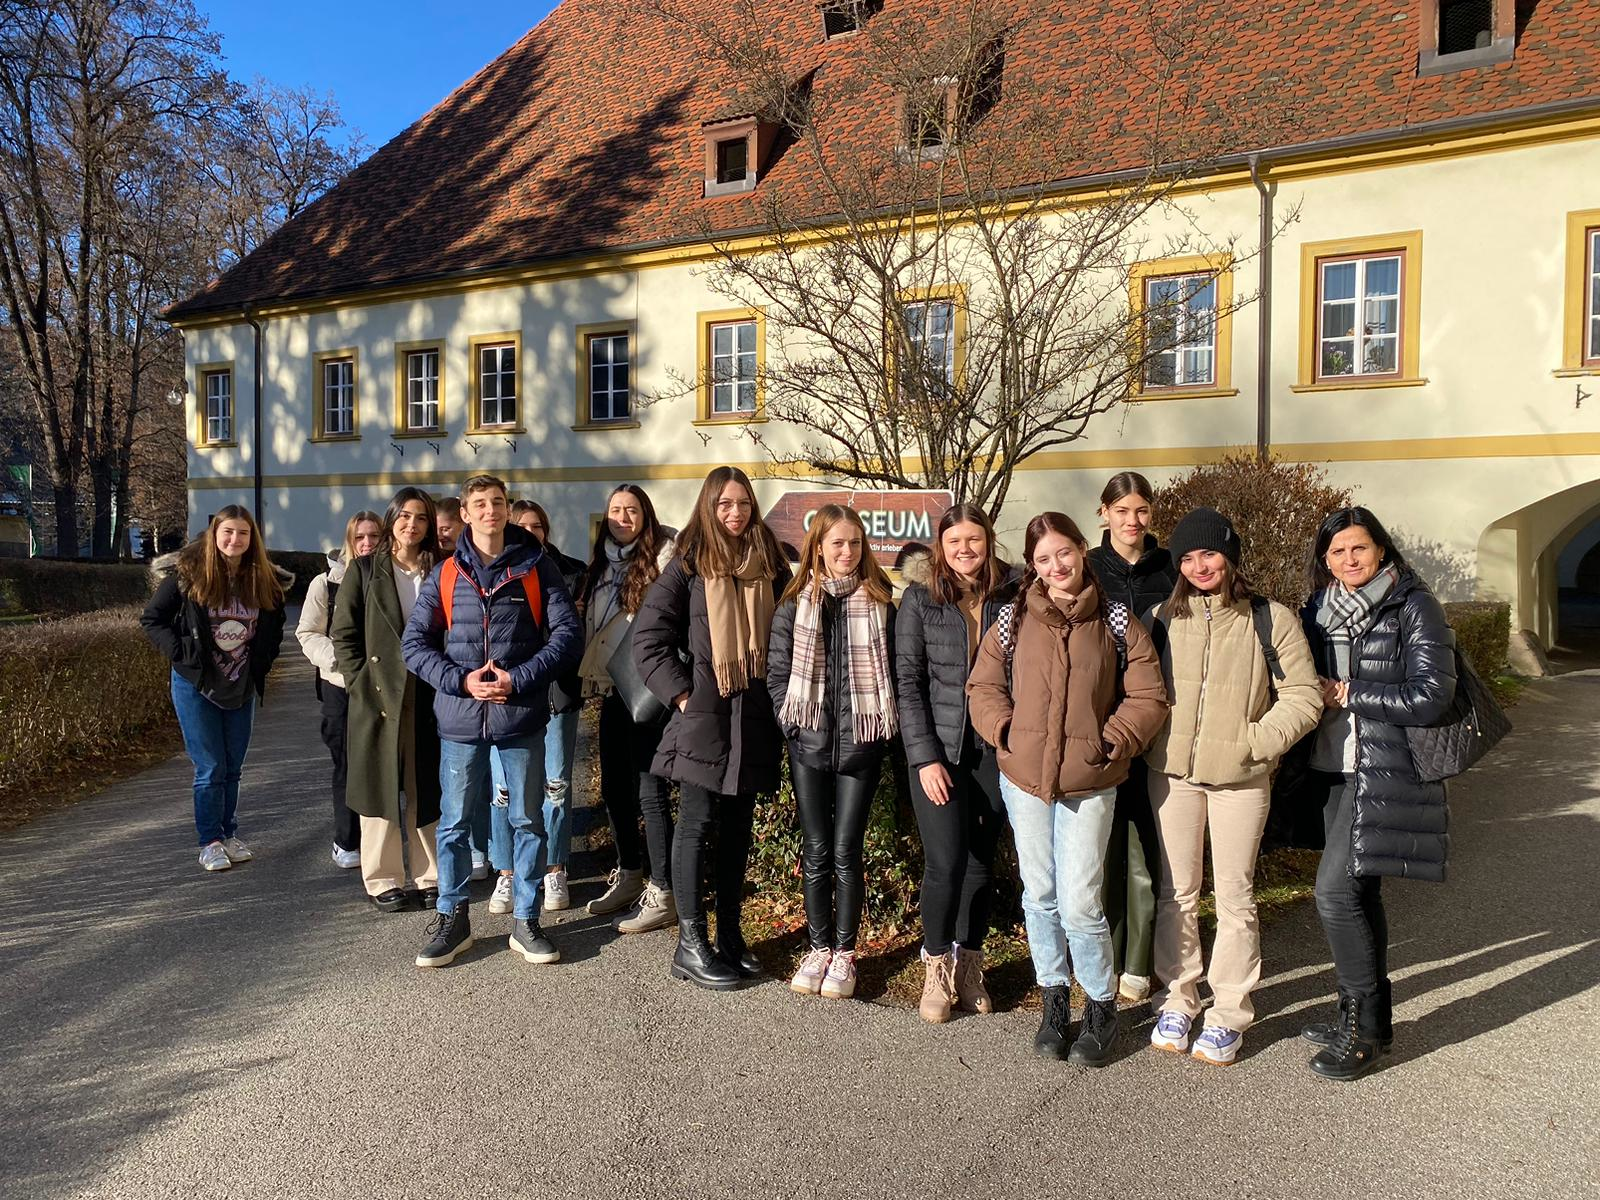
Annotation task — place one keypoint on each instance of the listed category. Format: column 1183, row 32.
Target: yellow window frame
column 201, row 372
column 1409, row 246
column 1220, row 268
column 1575, row 326
column 319, row 395
column 583, row 421
column 704, row 322
column 402, row 406
column 475, row 345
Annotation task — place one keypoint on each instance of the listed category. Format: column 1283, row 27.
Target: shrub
column 1483, row 633
column 54, row 588
column 1276, row 507
column 54, row 681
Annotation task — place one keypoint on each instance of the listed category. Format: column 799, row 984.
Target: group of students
column 1113, row 704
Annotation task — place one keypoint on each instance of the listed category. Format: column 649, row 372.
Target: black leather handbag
column 1468, row 730
column 643, row 705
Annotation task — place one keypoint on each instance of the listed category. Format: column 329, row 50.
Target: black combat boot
column 1355, row 1048
column 1051, row 1040
column 1097, row 1036
column 1323, row 1033
column 697, row 962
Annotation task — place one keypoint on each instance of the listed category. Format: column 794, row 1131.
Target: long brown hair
column 204, row 576
column 944, row 585
column 428, row 551
column 1058, row 523
column 353, row 524
column 642, row 567
column 708, row 549
column 810, row 573
column 1236, row 588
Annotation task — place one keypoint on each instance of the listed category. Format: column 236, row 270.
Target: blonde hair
column 811, row 572
column 350, row 527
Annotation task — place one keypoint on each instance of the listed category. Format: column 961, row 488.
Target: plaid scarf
column 1344, row 615
column 866, row 648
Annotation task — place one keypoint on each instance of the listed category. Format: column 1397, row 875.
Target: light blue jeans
column 1061, row 855
column 493, row 833
column 464, row 788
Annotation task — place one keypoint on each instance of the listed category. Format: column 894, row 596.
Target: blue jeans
column 1061, row 856
column 464, row 793
column 217, row 740
column 494, row 833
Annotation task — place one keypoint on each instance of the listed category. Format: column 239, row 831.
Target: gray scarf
column 1345, row 616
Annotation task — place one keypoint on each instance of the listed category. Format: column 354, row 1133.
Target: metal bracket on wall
column 472, row 444
column 1577, row 401
column 512, row 442
column 398, row 449
column 435, row 446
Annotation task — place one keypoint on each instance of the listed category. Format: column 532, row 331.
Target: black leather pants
column 833, row 818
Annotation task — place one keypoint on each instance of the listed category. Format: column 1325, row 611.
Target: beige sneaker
column 971, row 995
column 938, row 988
column 840, row 981
column 813, row 969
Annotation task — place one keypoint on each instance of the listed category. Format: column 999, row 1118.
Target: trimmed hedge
column 57, row 588
column 55, row 678
column 1483, row 633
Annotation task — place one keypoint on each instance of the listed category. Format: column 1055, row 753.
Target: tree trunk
column 66, row 519
column 102, row 471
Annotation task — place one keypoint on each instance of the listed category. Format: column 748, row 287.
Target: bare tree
column 938, row 307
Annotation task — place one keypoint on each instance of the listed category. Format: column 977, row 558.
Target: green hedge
column 54, row 681
column 52, row 588
column 1483, row 633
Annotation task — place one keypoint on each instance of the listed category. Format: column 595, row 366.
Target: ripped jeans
column 493, row 833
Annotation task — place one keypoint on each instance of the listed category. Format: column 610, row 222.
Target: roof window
column 842, row 18
column 736, row 148
column 1458, row 35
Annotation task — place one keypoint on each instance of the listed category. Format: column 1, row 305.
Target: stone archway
column 1518, row 556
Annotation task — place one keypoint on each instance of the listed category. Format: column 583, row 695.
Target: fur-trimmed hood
column 917, row 566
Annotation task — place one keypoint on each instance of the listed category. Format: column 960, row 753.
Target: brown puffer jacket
column 1226, row 727
column 1071, row 730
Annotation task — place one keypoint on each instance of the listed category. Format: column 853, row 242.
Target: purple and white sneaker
column 1217, row 1045
column 1171, row 1032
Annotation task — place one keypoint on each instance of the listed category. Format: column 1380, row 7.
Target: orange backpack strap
column 535, row 594
column 447, row 588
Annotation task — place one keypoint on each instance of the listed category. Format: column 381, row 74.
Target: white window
column 931, row 330
column 733, row 367
column 497, row 385
column 608, row 377
column 1358, row 316
column 1592, row 350
column 338, row 397
column 1180, row 329
column 422, row 389
column 219, row 406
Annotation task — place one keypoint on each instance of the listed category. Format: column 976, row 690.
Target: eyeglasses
column 734, row 506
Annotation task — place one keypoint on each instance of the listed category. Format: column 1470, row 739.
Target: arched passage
column 1519, row 556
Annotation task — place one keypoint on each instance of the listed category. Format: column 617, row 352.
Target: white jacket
column 315, row 620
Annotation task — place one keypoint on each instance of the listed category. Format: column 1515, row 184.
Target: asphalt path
column 263, row 1032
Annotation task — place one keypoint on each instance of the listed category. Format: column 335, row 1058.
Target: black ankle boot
column 1323, row 1033
column 697, row 962
column 731, row 948
column 1355, row 1048
column 1097, row 1036
column 1051, row 1040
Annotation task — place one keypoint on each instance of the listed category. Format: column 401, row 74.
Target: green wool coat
column 366, row 630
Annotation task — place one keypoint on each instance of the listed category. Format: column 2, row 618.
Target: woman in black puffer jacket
column 955, row 780
column 1386, row 658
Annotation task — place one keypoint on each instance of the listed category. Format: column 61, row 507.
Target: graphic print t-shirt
column 232, row 627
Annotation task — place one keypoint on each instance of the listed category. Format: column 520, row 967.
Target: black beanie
column 1204, row 529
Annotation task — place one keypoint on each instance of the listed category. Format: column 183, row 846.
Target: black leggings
column 698, row 810
column 958, row 847
column 833, row 817
column 335, row 715
column 628, row 791
column 1351, row 907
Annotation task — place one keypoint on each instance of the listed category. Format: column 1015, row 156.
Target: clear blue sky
column 385, row 63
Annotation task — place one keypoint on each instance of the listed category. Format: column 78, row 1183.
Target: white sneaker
column 502, row 901
column 236, row 850
column 557, row 895
column 1171, row 1032
column 214, row 858
column 346, row 859
column 1218, row 1045
column 480, row 867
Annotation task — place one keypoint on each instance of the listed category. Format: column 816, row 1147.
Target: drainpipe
column 255, row 444
column 1264, row 317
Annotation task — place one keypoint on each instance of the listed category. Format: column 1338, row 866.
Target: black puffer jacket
column 1402, row 672
column 180, row 629
column 832, row 746
column 726, row 744
column 931, row 668
column 1141, row 585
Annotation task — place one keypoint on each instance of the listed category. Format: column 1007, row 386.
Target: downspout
column 255, row 444
column 1264, row 318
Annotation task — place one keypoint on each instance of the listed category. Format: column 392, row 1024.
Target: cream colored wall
column 1492, row 281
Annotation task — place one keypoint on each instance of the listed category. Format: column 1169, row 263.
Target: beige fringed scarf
column 739, row 610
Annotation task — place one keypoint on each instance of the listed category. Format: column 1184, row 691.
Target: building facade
column 1433, row 316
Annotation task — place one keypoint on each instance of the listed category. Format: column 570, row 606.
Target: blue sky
column 386, row 64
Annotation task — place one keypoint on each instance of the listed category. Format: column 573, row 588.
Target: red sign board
column 893, row 520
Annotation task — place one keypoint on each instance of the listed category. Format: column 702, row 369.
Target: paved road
column 262, row 1032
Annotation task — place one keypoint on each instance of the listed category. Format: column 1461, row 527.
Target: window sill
column 597, row 426
column 1577, row 372
column 216, row 445
column 1356, row 384
column 495, row 430
column 335, row 437
column 420, row 433
column 755, row 418
column 1208, row 393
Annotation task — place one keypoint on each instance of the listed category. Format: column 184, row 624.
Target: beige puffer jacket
column 1225, row 727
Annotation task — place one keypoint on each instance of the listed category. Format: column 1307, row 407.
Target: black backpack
column 1260, row 619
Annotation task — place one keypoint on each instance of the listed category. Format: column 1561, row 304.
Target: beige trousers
column 1236, row 817
column 383, row 843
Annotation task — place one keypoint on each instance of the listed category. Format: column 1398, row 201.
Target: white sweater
column 316, row 620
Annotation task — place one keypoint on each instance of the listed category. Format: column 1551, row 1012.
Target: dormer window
column 734, row 152
column 929, row 120
column 1458, row 35
column 842, row 18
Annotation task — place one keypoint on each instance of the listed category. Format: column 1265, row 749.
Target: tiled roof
column 585, row 136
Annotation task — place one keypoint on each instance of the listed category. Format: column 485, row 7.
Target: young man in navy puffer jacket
column 489, row 649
